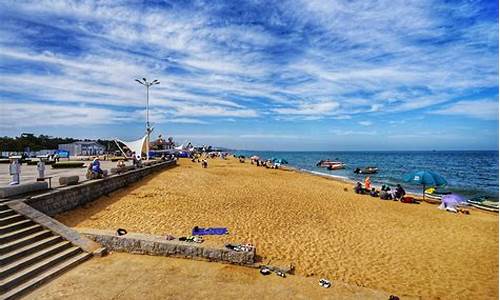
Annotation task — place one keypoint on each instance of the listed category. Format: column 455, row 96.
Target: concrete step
column 44, row 277
column 20, row 264
column 18, row 278
column 6, row 212
column 30, row 248
column 8, row 237
column 16, row 226
column 29, row 239
column 11, row 219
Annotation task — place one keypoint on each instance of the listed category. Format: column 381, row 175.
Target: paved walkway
column 29, row 173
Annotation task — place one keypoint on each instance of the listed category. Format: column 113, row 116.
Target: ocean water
column 469, row 173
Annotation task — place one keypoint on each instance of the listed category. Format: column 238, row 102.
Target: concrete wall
column 22, row 188
column 70, row 197
column 137, row 243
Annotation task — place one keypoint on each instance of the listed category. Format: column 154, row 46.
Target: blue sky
column 269, row 75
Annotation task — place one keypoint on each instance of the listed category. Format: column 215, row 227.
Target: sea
column 469, row 173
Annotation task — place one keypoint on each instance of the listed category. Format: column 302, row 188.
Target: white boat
column 327, row 163
column 484, row 204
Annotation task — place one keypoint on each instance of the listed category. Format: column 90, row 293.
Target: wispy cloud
column 481, row 109
column 365, row 123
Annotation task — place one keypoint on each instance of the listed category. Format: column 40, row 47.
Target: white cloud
column 339, row 132
column 481, row 109
column 365, row 123
column 22, row 115
column 322, row 108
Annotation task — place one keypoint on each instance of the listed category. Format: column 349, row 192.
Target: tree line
column 28, row 141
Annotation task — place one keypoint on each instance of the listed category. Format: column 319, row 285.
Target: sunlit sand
column 317, row 224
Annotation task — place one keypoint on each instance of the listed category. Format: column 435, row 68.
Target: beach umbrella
column 425, row 178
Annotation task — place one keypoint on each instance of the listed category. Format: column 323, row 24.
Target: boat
column 327, row 163
column 336, row 166
column 366, row 170
column 433, row 194
column 484, row 203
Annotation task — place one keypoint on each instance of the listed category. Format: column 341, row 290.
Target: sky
column 256, row 75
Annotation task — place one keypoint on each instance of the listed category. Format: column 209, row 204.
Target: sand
column 318, row 224
column 127, row 276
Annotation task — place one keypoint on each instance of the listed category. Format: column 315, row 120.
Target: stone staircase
column 31, row 254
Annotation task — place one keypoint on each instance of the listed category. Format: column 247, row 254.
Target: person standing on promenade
column 15, row 171
column 135, row 161
column 40, row 167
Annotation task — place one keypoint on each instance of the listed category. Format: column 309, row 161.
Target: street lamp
column 147, row 84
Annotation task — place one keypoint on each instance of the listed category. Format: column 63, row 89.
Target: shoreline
column 344, row 179
column 418, row 197
column 393, row 166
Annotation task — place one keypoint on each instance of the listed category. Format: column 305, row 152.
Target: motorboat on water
column 327, row 163
column 336, row 166
column 366, row 170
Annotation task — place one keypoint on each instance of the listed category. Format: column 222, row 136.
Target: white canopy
column 137, row 146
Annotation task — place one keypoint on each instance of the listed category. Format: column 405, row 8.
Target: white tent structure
column 139, row 146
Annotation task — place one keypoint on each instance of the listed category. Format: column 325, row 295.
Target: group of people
column 385, row 192
column 199, row 158
column 267, row 163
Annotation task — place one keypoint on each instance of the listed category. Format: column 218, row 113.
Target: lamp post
column 147, row 84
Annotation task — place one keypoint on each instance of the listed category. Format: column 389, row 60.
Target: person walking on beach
column 15, row 171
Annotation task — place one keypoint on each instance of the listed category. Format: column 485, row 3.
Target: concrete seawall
column 70, row 197
column 137, row 243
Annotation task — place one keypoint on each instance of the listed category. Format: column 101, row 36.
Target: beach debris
column 240, row 248
column 121, row 231
column 169, row 237
column 265, row 271
column 280, row 274
column 392, row 297
column 325, row 283
column 191, row 239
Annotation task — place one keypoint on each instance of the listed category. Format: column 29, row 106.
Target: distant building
column 83, row 148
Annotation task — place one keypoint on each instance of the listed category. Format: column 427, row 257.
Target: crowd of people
column 268, row 164
column 203, row 157
column 385, row 192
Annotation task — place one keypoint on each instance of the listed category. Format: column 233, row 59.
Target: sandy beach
column 126, row 276
column 317, row 224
